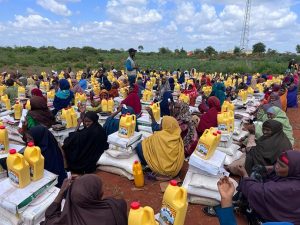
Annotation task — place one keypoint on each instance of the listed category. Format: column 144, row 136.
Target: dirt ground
column 151, row 195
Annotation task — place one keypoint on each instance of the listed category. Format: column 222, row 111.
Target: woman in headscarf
column 39, row 114
column 164, row 104
column 189, row 134
column 133, row 99
column 172, row 83
column 165, row 86
column 209, row 119
column 83, row 148
column 274, row 100
column 85, row 204
column 192, row 93
column 113, row 92
column 218, row 90
column 36, row 92
column 268, row 147
column 276, row 198
column 141, row 86
column 63, row 97
column 54, row 161
column 76, row 87
column 163, row 151
column 283, row 97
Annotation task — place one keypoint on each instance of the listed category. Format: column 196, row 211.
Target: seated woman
column 276, row 198
column 85, row 204
column 163, row 151
column 36, row 92
column 83, row 148
column 189, row 134
column 209, row 119
column 54, row 161
column 63, row 97
column 192, row 93
column 283, row 97
column 277, row 114
column 268, row 147
column 133, row 99
column 164, row 104
column 11, row 91
column 113, row 92
column 76, row 87
column 218, row 90
column 39, row 114
column 274, row 100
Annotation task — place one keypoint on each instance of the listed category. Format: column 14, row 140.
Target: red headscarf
column 209, row 119
column 36, row 92
column 133, row 100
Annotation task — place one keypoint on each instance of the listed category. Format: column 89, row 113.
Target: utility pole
column 246, row 27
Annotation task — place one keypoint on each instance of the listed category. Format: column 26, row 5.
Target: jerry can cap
column 30, row 144
column 12, row 151
column 2, row 127
column 135, row 205
column 173, row 182
column 219, row 132
column 215, row 134
column 136, row 162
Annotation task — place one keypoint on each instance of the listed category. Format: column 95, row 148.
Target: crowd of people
column 269, row 168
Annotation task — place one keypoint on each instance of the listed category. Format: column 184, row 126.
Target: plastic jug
column 207, row 144
column 138, row 174
column 174, row 205
column 2, row 89
column 50, row 96
column 260, row 88
column 141, row 215
column 126, row 126
column 44, row 86
column 177, row 87
column 110, row 105
column 21, row 92
column 207, row 90
column 133, row 123
column 28, row 106
column 250, row 91
column 227, row 106
column 155, row 107
column 74, row 119
column 17, row 111
column 243, row 95
column 147, row 95
column 4, row 141
column 124, row 92
column 66, row 118
column 184, row 98
column 35, row 160
column 104, row 105
column 226, row 121
column 18, row 169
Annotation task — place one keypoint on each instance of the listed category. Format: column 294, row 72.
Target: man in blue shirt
column 131, row 67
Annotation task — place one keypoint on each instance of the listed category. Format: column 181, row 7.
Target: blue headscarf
column 164, row 104
column 64, row 89
column 219, row 91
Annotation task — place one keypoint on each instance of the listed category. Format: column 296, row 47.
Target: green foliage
column 209, row 50
column 33, row 60
column 259, row 48
column 237, row 50
column 140, row 48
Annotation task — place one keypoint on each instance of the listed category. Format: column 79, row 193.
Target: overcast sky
column 174, row 24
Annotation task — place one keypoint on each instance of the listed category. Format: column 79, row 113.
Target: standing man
column 131, row 67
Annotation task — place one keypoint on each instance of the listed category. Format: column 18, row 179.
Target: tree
column 298, row 49
column 140, row 48
column 176, row 51
column 271, row 51
column 198, row 51
column 237, row 50
column 210, row 50
column 259, row 48
column 182, row 51
column 164, row 50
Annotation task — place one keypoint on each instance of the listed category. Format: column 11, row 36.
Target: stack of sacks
column 144, row 123
column 227, row 146
column 120, row 156
column 202, row 177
